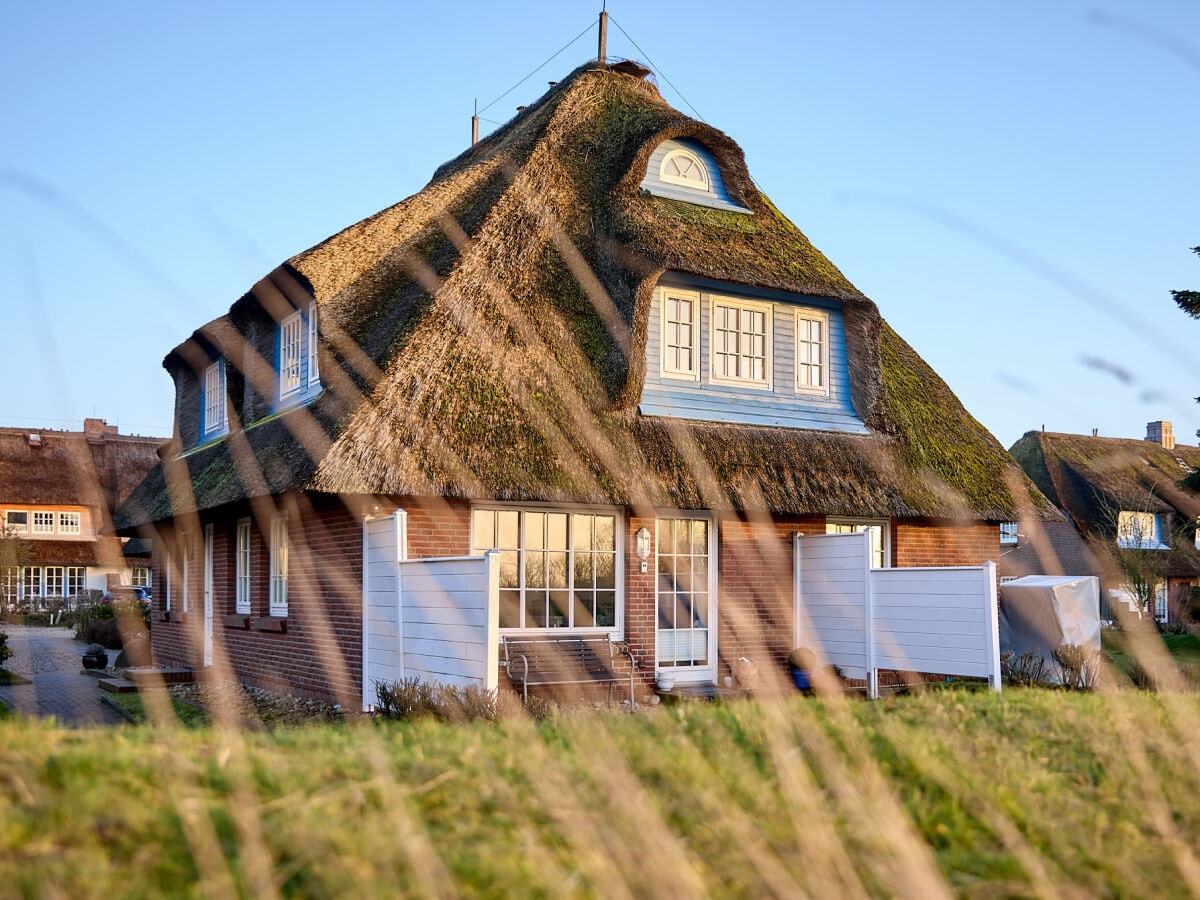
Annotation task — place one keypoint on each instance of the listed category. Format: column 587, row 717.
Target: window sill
column 237, row 620
column 271, row 623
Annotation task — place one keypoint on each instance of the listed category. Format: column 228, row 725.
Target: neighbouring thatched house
column 590, row 343
column 1125, row 499
column 58, row 490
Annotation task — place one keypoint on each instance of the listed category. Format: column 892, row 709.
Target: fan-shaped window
column 684, row 167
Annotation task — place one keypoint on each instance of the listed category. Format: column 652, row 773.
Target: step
column 117, row 686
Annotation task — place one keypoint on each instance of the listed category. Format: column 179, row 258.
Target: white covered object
column 1038, row 613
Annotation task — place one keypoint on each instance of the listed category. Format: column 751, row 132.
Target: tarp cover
column 1038, row 613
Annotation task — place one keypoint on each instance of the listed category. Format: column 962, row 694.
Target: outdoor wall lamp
column 642, row 546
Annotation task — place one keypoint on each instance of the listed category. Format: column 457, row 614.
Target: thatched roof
column 1093, row 478
column 486, row 338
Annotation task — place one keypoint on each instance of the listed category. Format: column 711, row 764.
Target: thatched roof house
column 58, row 490
column 503, row 336
column 1124, row 494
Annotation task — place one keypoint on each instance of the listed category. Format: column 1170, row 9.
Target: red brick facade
column 317, row 650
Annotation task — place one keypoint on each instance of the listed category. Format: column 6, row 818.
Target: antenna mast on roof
column 475, row 124
column 602, row 51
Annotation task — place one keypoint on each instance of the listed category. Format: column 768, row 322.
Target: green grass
column 976, row 793
column 189, row 715
column 7, row 677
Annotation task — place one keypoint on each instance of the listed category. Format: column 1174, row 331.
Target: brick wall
column 942, row 543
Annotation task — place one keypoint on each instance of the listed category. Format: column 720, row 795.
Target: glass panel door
column 685, row 598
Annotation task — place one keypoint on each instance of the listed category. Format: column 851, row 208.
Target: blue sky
column 1015, row 184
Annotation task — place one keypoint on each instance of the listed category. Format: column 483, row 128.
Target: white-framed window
column 10, row 586
column 681, row 333
column 1139, row 530
column 741, row 342
column 279, row 565
column 214, row 396
column 54, row 581
column 16, row 521
column 70, row 523
column 684, row 592
column 242, row 567
column 76, row 581
column 185, row 552
column 139, row 576
column 1008, row 533
column 812, row 351
column 289, row 354
column 31, row 582
column 1005, row 579
column 558, row 568
column 878, row 530
column 314, row 376
column 43, row 521
column 685, row 168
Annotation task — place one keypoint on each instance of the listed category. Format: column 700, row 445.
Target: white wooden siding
column 782, row 406
column 939, row 620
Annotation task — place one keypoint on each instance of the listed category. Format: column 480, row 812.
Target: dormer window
column 314, row 376
column 811, row 348
column 289, row 354
column 1139, row 531
column 684, row 167
column 214, row 397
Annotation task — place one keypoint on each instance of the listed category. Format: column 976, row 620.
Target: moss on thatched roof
column 493, row 330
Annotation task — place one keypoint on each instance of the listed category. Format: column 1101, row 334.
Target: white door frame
column 208, row 594
column 693, row 674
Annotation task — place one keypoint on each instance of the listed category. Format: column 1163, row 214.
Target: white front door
column 686, row 598
column 208, row 595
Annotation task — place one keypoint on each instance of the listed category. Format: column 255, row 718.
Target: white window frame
column 47, row 524
column 883, row 553
column 694, row 672
column 704, row 185
column 184, row 587
column 478, row 547
column 214, row 396
column 1008, row 534
column 279, row 565
column 74, row 581
column 290, row 347
column 70, row 522
column 242, row 561
column 139, row 576
column 667, row 369
column 10, row 527
column 718, row 301
column 822, row 365
column 314, row 376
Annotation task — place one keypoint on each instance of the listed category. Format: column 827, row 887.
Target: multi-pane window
column 279, row 566
column 69, row 523
column 877, row 531
column 1139, row 530
column 139, row 576
column 557, row 569
column 810, row 352
column 683, row 167
column 313, row 375
column 289, row 354
column 680, row 331
column 683, row 592
column 54, row 581
column 43, row 521
column 242, row 567
column 75, row 581
column 10, row 585
column 16, row 521
column 31, row 582
column 214, row 396
column 739, row 342
column 1008, row 533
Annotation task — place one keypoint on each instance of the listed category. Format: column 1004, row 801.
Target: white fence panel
column 450, row 609
column 383, row 547
column 940, row 620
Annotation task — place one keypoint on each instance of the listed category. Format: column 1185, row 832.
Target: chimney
column 1161, row 433
column 33, row 439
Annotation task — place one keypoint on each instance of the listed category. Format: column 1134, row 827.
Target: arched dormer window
column 684, row 167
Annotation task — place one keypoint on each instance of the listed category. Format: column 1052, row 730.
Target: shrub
column 1158, row 675
column 1079, row 667
column 412, row 698
column 1027, row 670
column 103, row 632
column 5, row 651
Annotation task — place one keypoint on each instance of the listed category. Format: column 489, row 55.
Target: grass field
column 951, row 792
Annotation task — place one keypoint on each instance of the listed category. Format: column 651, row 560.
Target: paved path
column 51, row 659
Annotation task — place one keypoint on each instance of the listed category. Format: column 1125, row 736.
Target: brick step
column 117, row 686
column 148, row 676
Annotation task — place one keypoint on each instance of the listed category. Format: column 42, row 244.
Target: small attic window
column 684, row 167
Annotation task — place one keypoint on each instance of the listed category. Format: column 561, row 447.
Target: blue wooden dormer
column 296, row 378
column 683, row 169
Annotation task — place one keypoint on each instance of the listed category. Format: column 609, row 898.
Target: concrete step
column 148, row 676
column 117, row 686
